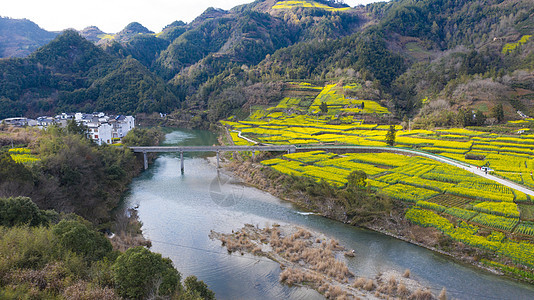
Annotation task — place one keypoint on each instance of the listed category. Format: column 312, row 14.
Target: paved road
column 293, row 148
column 461, row 165
column 505, row 182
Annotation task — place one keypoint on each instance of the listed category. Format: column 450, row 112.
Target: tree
column 462, row 118
column 143, row 137
column 139, row 273
column 77, row 237
column 478, row 118
column 356, row 179
column 75, row 128
column 390, row 136
column 323, row 107
column 497, row 112
column 197, row 289
column 20, row 211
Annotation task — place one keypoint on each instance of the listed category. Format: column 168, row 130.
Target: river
column 178, row 211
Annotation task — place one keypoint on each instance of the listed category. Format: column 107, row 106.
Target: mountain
column 92, row 33
column 425, row 58
column 19, row 38
column 73, row 74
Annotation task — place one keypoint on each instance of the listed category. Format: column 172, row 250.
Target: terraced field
column 289, row 4
column 453, row 200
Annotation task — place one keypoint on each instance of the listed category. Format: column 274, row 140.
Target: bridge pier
column 253, row 155
column 145, row 160
column 218, row 166
column 182, row 161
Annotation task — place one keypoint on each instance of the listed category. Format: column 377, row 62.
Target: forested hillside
column 422, row 58
column 19, row 38
column 72, row 74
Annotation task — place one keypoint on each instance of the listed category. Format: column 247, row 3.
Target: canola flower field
column 288, row 4
column 439, row 201
column 22, row 155
column 466, row 207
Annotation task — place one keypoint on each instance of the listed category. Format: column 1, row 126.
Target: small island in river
column 312, row 259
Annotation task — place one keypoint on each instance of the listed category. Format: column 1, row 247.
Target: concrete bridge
column 336, row 148
column 217, row 149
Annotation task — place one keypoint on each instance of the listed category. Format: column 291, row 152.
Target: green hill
column 424, row 58
column 71, row 73
column 18, row 38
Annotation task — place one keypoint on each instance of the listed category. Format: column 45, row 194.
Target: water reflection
column 178, row 212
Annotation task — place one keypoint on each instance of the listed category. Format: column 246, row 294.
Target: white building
column 106, row 129
column 101, row 128
column 121, row 125
column 101, row 133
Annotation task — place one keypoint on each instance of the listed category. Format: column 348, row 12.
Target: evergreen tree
column 390, row 136
column 497, row 112
column 323, row 107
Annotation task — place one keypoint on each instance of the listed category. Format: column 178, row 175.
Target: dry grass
column 389, row 287
column 335, row 292
column 443, row 294
column 128, row 232
column 402, row 291
column 369, row 285
column 83, row 290
column 26, row 136
column 359, row 282
column 420, row 294
column 124, row 241
column 310, row 259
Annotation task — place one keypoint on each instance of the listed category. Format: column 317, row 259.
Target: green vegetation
column 54, row 254
column 71, row 260
column 390, row 136
column 71, row 174
column 139, row 273
column 70, row 73
column 22, row 211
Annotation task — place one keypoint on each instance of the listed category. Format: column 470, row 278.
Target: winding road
column 473, row 169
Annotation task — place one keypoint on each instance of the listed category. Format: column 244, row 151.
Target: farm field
column 467, row 198
column 288, row 4
column 464, row 206
column 22, row 155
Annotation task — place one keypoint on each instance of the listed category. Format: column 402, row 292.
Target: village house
column 101, row 128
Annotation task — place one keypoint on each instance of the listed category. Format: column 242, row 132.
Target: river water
column 178, row 211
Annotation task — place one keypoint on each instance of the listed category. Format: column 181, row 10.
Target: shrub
column 20, row 211
column 78, row 238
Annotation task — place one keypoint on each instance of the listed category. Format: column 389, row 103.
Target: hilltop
column 423, row 59
column 19, row 38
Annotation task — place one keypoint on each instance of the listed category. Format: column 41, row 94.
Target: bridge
column 217, row 149
column 341, row 148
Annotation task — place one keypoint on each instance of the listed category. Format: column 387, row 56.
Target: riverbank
column 309, row 258
column 392, row 224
